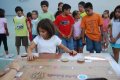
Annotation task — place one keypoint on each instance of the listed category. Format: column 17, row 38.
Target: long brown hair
column 47, row 25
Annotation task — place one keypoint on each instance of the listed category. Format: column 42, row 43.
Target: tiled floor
column 11, row 43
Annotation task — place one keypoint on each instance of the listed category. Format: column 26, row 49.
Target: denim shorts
column 92, row 45
column 78, row 44
column 68, row 43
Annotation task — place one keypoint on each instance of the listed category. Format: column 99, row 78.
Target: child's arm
column 72, row 24
column 71, row 32
column 29, row 27
column 110, row 31
column 83, row 36
column 118, row 36
column 113, row 40
column 14, row 67
column 29, row 51
column 61, row 33
column 5, row 25
column 52, row 18
column 83, row 27
column 101, row 29
column 10, row 75
column 61, row 46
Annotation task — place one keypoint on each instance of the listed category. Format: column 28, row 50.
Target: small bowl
column 64, row 60
column 81, row 60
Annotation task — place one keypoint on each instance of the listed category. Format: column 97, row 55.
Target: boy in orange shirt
column 91, row 27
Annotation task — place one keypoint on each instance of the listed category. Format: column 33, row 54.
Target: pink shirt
column 2, row 28
column 77, row 28
column 105, row 24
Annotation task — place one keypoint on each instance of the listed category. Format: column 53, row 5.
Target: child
column 77, row 32
column 60, row 5
column 115, row 33
column 21, row 30
column 45, row 14
column 81, row 9
column 106, row 22
column 64, row 23
column 46, row 41
column 34, row 22
column 29, row 17
column 4, row 32
column 91, row 27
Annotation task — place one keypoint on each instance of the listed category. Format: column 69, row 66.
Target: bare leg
column 106, row 46
column 116, row 54
column 76, row 50
column 26, row 47
column 6, row 52
column 18, row 49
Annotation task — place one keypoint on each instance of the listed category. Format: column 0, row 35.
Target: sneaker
column 9, row 56
column 103, row 49
column 106, row 49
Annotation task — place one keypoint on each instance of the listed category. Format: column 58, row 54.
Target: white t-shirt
column 47, row 46
column 2, row 28
column 116, row 29
column 77, row 28
column 19, row 17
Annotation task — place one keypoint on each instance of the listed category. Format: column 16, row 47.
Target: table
column 50, row 67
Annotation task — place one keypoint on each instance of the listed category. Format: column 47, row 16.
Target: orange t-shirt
column 92, row 24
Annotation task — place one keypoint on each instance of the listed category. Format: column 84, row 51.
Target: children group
column 65, row 31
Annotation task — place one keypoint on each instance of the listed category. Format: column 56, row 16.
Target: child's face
column 34, row 15
column 105, row 14
column 43, row 33
column 117, row 13
column 81, row 8
column 19, row 13
column 44, row 8
column 60, row 7
column 89, row 11
column 67, row 12
column 78, row 15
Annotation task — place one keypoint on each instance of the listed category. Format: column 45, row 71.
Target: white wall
column 29, row 5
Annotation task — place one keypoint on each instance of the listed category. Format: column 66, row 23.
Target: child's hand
column 73, row 53
column 83, row 42
column 30, row 57
column 64, row 36
column 7, row 33
column 101, row 38
column 75, row 38
column 78, row 37
column 113, row 40
column 69, row 36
